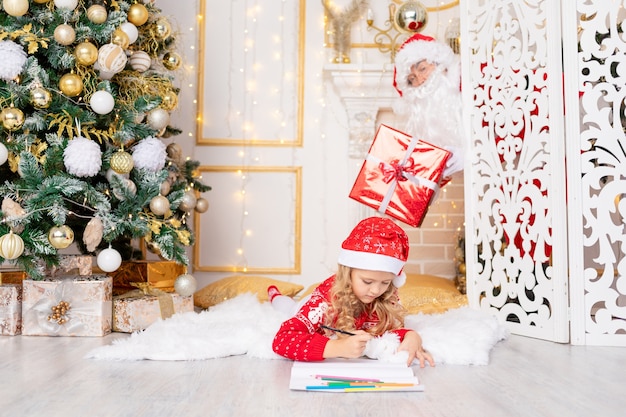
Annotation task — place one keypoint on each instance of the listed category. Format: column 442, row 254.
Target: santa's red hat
column 377, row 244
column 415, row 49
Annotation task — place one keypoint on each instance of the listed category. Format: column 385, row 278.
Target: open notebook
column 353, row 375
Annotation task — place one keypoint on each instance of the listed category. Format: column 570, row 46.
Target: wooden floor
column 41, row 376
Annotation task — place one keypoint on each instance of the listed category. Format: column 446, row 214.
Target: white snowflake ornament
column 12, row 60
column 150, row 154
column 82, row 157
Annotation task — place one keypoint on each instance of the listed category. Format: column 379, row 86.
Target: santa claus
column 427, row 75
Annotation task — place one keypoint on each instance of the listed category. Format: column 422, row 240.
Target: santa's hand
column 455, row 161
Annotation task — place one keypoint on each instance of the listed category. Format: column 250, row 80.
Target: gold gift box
column 159, row 274
column 10, row 309
column 12, row 276
column 68, row 306
column 135, row 311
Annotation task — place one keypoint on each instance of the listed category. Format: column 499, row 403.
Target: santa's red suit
column 302, row 338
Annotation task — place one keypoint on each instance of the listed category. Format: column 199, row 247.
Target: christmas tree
column 86, row 92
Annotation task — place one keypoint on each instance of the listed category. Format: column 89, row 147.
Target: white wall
column 327, row 212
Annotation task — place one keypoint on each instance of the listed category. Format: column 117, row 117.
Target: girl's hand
column 412, row 343
column 347, row 346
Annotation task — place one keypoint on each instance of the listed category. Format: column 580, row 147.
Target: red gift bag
column 400, row 175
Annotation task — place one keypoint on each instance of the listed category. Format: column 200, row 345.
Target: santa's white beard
column 432, row 112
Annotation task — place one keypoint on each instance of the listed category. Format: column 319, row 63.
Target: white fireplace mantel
column 364, row 89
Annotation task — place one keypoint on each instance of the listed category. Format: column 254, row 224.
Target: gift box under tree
column 138, row 309
column 10, row 309
column 400, row 175
column 159, row 274
column 67, row 306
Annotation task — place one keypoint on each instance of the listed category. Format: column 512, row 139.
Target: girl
column 359, row 302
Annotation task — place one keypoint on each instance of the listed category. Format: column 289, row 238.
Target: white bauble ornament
column 4, row 153
column 66, row 4
column 102, row 102
column 158, row 118
column 129, row 186
column 111, row 172
column 11, row 246
column 131, row 31
column 15, row 7
column 185, row 285
column 140, row 61
column 111, row 58
column 109, row 260
column 64, row 34
column 149, row 154
column 12, row 60
column 159, row 205
column 82, row 157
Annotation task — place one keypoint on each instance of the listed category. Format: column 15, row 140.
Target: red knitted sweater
column 302, row 338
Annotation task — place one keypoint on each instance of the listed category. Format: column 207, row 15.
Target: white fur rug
column 244, row 326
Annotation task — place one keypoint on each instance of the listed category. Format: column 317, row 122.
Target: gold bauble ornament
column 11, row 246
column 163, row 28
column 41, row 1
column 64, row 34
column 119, row 37
column 15, row 7
column 188, row 202
column 462, row 268
column 86, row 53
column 122, row 162
column 165, row 188
column 40, row 97
column 172, row 61
column 169, row 101
column 12, row 118
column 97, row 14
column 61, row 236
column 137, row 14
column 202, row 205
column 159, row 205
column 71, row 85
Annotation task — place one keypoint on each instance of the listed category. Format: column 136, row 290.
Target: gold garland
column 133, row 85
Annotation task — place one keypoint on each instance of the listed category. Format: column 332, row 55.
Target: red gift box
column 400, row 175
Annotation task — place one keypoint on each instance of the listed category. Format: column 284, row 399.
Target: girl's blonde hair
column 345, row 306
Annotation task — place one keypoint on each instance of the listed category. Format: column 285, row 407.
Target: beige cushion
column 230, row 287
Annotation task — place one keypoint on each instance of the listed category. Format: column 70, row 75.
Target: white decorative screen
column 515, row 207
column 598, row 176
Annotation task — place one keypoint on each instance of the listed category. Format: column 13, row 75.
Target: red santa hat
column 415, row 49
column 377, row 244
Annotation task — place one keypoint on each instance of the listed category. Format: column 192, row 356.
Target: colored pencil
column 332, row 329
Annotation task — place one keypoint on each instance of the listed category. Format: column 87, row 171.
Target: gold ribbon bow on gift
column 166, row 303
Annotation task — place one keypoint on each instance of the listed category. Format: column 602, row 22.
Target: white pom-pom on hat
column 150, row 154
column 82, row 157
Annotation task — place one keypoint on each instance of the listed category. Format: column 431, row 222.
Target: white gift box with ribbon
column 68, row 306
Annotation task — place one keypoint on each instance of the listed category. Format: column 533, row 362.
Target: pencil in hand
column 332, row 329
